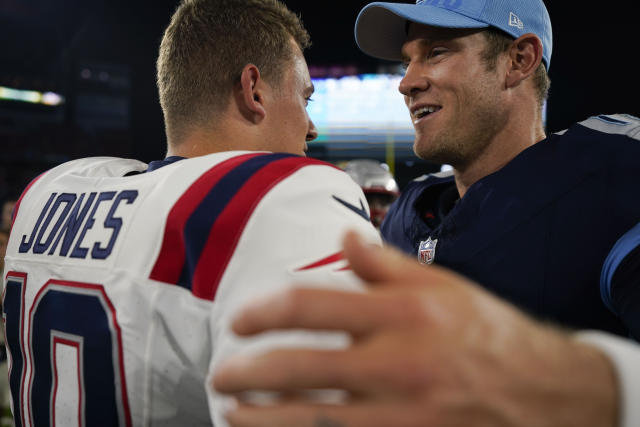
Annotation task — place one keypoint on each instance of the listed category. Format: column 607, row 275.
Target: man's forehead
column 298, row 70
column 301, row 69
column 427, row 34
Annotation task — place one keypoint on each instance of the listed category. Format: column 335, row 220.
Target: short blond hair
column 205, row 48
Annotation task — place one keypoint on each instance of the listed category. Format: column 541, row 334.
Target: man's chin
column 436, row 155
column 427, row 151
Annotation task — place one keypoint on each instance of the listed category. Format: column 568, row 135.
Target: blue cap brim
column 380, row 28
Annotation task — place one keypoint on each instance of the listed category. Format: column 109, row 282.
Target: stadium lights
column 31, row 96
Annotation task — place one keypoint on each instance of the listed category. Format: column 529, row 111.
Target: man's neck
column 496, row 155
column 202, row 141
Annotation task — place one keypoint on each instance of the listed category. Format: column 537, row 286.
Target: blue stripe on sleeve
column 627, row 243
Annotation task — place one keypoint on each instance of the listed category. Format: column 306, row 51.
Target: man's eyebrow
column 426, row 41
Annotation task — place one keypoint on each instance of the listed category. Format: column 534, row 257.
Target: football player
column 120, row 275
column 531, row 216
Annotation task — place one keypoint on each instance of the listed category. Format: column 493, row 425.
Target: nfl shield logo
column 427, row 251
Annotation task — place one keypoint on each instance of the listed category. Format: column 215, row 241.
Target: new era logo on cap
column 514, row 21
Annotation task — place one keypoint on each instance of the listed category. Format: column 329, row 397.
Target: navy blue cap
column 381, row 27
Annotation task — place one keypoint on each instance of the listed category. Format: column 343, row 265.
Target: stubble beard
column 461, row 142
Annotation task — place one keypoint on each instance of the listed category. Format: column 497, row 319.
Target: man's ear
column 525, row 56
column 250, row 93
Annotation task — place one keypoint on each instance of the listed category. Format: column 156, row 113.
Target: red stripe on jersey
column 324, row 261
column 226, row 231
column 170, row 261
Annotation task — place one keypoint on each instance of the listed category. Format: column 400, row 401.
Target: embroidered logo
column 514, row 21
column 448, row 4
column 427, row 251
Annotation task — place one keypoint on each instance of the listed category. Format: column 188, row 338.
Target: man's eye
column 436, row 52
column 307, row 100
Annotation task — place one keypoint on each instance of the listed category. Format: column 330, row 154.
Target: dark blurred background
column 100, row 55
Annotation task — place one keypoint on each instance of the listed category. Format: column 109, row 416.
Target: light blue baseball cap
column 381, row 27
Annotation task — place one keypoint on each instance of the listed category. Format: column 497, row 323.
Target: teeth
column 421, row 112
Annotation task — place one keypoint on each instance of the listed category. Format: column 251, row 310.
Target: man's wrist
column 624, row 357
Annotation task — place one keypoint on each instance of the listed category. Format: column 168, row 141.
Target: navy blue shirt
column 157, row 164
column 537, row 232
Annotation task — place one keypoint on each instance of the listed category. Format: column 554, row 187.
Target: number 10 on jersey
column 66, row 360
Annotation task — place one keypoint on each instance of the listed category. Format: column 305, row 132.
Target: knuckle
column 414, row 309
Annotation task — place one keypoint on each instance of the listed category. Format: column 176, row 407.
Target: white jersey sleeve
column 120, row 283
column 293, row 236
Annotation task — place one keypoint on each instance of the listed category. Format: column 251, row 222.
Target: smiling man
column 459, row 106
column 520, row 207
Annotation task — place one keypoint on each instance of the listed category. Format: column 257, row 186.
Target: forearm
column 624, row 355
column 587, row 392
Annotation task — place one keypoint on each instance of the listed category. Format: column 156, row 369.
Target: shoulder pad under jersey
column 616, row 124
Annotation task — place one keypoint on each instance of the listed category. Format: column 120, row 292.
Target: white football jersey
column 120, row 282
